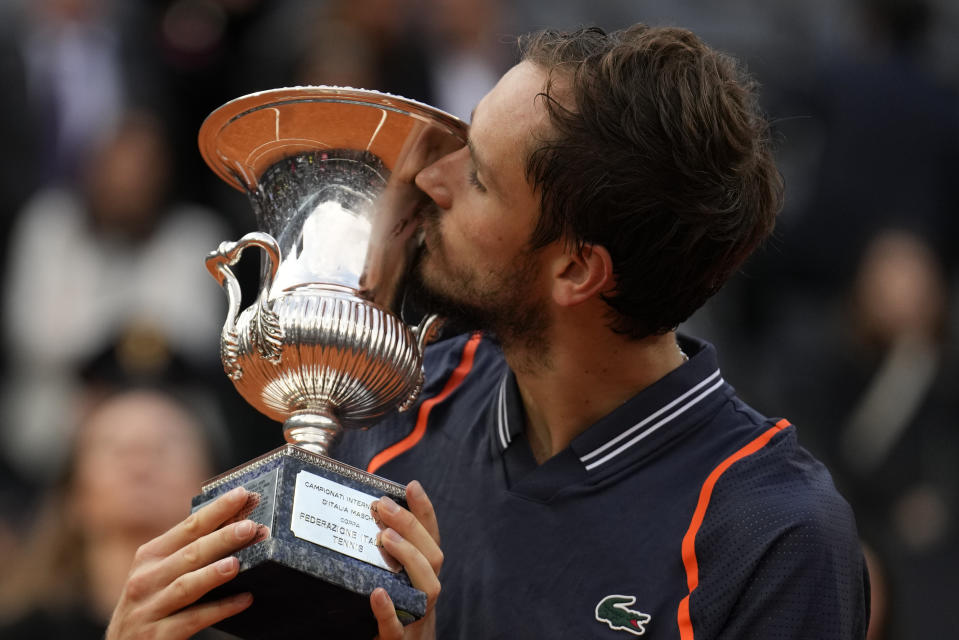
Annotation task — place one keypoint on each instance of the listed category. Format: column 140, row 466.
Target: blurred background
column 846, row 323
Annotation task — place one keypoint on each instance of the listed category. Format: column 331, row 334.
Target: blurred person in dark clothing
column 366, row 44
column 876, row 376
column 138, row 458
column 874, row 141
column 185, row 58
column 854, row 331
column 890, row 154
column 70, row 52
column 84, row 265
column 62, row 89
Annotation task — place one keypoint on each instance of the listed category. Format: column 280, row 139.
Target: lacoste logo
column 614, row 610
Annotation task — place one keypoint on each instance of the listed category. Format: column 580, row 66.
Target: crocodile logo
column 614, row 610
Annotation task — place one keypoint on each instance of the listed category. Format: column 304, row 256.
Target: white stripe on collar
column 502, row 426
column 636, row 437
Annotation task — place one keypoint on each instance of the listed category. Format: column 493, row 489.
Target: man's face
column 477, row 267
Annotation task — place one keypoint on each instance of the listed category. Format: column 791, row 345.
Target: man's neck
column 582, row 380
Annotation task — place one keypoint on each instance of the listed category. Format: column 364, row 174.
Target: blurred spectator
column 871, row 384
column 62, row 89
column 188, row 57
column 86, row 265
column 890, row 150
column 366, row 44
column 137, row 459
column 70, row 52
column 898, row 446
column 853, row 330
column 870, row 141
column 471, row 49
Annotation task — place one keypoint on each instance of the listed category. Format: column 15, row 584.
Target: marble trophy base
column 313, row 575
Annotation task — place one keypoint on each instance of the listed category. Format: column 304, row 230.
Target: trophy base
column 313, row 575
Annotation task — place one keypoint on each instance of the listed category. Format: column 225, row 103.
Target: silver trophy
column 329, row 172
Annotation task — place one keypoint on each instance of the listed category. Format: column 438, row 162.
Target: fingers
column 422, row 574
column 412, row 538
column 200, row 523
column 162, row 588
column 417, row 526
column 421, row 507
column 209, row 548
column 173, row 571
column 193, row 620
column 198, row 540
column 164, row 614
column 390, row 628
column 189, row 587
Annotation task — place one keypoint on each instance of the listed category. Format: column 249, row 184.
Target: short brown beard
column 516, row 321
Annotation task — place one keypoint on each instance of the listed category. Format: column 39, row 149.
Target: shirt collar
column 666, row 407
column 507, row 416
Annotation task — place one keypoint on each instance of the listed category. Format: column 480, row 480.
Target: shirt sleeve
column 779, row 557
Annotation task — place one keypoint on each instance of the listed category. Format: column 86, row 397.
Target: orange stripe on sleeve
column 459, row 374
column 689, row 540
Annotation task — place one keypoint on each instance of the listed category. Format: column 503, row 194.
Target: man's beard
column 509, row 309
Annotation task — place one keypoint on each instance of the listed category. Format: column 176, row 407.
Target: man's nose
column 434, row 180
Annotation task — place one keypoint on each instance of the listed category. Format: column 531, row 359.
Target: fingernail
column 241, row 598
column 262, row 533
column 414, row 488
column 235, row 492
column 389, row 506
column 376, row 516
column 244, row 529
column 227, row 565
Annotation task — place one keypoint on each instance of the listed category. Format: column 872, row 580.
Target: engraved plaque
column 336, row 517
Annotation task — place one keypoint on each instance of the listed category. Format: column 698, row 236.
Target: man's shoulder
column 776, row 511
column 775, row 535
column 777, row 487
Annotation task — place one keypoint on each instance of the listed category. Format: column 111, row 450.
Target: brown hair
column 657, row 152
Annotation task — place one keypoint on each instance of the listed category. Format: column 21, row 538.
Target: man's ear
column 581, row 274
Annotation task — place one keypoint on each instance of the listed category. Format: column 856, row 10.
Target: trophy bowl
column 330, row 174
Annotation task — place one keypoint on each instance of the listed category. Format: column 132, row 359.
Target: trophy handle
column 265, row 331
column 428, row 328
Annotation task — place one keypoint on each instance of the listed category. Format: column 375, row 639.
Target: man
column 592, row 474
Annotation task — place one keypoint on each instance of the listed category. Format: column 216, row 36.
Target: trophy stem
column 315, row 431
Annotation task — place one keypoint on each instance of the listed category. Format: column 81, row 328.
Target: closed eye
column 475, row 181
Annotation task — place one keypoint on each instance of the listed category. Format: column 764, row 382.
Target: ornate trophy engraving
column 329, row 172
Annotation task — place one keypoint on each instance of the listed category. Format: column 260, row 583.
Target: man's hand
column 413, row 539
column 172, row 571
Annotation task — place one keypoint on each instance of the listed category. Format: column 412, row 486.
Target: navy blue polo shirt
column 682, row 514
